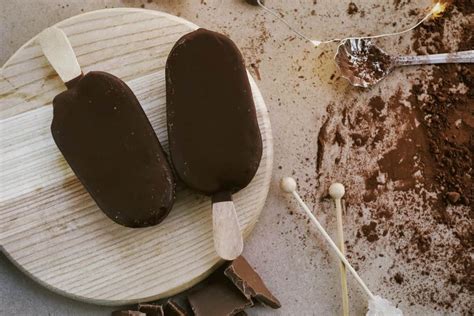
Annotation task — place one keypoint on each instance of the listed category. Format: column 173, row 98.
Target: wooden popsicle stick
column 58, row 50
column 228, row 240
column 336, row 191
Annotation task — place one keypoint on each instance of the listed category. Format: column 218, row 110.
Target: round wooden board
column 49, row 225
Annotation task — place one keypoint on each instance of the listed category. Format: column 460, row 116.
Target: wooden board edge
column 266, row 128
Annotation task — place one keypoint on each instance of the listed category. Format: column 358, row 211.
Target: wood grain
column 49, row 225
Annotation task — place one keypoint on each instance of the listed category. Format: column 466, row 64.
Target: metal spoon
column 364, row 64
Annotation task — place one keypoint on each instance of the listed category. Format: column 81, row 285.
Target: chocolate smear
column 250, row 283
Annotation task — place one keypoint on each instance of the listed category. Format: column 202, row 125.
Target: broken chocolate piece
column 218, row 298
column 151, row 309
column 128, row 313
column 249, row 282
column 109, row 143
column 214, row 137
column 172, row 308
column 453, row 197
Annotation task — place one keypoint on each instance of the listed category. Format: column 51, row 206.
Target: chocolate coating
column 107, row 140
column 215, row 141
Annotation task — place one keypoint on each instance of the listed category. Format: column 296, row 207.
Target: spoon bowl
column 364, row 64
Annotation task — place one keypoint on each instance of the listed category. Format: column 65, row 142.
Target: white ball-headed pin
column 288, row 184
column 337, row 191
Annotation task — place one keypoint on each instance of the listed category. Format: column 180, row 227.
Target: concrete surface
column 295, row 83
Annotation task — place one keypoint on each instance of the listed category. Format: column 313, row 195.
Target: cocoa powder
column 407, row 163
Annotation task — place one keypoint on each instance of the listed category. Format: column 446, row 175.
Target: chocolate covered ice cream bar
column 214, row 137
column 107, row 140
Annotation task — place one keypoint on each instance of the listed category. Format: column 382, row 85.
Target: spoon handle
column 449, row 58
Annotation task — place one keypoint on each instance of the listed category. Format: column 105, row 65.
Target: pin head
column 336, row 190
column 288, row 184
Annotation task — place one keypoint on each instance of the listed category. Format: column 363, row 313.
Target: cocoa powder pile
column 407, row 160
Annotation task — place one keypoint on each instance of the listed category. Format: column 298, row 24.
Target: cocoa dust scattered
column 412, row 153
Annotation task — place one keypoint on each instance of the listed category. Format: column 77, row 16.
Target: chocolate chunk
column 453, row 197
column 218, row 298
column 172, row 308
column 255, row 2
column 249, row 282
column 128, row 313
column 151, row 309
column 106, row 138
column 352, row 8
column 214, row 138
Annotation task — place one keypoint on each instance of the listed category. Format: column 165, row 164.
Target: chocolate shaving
column 249, row 282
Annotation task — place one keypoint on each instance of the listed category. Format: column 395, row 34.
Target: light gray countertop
column 295, row 81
